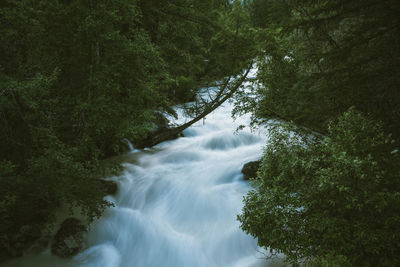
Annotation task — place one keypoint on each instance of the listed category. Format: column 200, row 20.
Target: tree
column 317, row 195
column 78, row 77
column 334, row 200
column 229, row 58
column 322, row 57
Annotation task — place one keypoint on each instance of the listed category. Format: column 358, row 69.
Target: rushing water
column 177, row 204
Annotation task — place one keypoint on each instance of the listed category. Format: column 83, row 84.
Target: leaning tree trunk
column 220, row 98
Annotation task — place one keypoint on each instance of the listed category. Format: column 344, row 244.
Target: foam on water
column 178, row 206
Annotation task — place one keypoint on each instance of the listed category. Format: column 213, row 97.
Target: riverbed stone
column 69, row 239
column 250, row 169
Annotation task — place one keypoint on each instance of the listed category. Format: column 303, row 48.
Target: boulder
column 69, row 239
column 250, row 169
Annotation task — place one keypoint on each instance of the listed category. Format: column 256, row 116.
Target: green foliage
column 318, row 201
column 200, row 41
column 77, row 77
column 331, row 202
column 322, row 57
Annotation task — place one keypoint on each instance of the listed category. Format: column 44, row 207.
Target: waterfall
column 130, row 146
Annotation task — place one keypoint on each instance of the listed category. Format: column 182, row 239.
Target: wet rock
column 250, row 169
column 69, row 239
column 109, row 187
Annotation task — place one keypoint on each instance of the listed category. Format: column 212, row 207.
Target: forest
column 78, row 77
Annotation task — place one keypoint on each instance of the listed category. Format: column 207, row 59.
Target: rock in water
column 69, row 239
column 250, row 169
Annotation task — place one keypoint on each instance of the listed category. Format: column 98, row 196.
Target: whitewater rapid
column 177, row 204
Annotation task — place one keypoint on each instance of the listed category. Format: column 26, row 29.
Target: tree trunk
column 221, row 97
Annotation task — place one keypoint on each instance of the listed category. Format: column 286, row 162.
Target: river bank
column 177, row 204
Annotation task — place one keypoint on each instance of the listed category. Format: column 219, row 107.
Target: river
column 177, row 204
